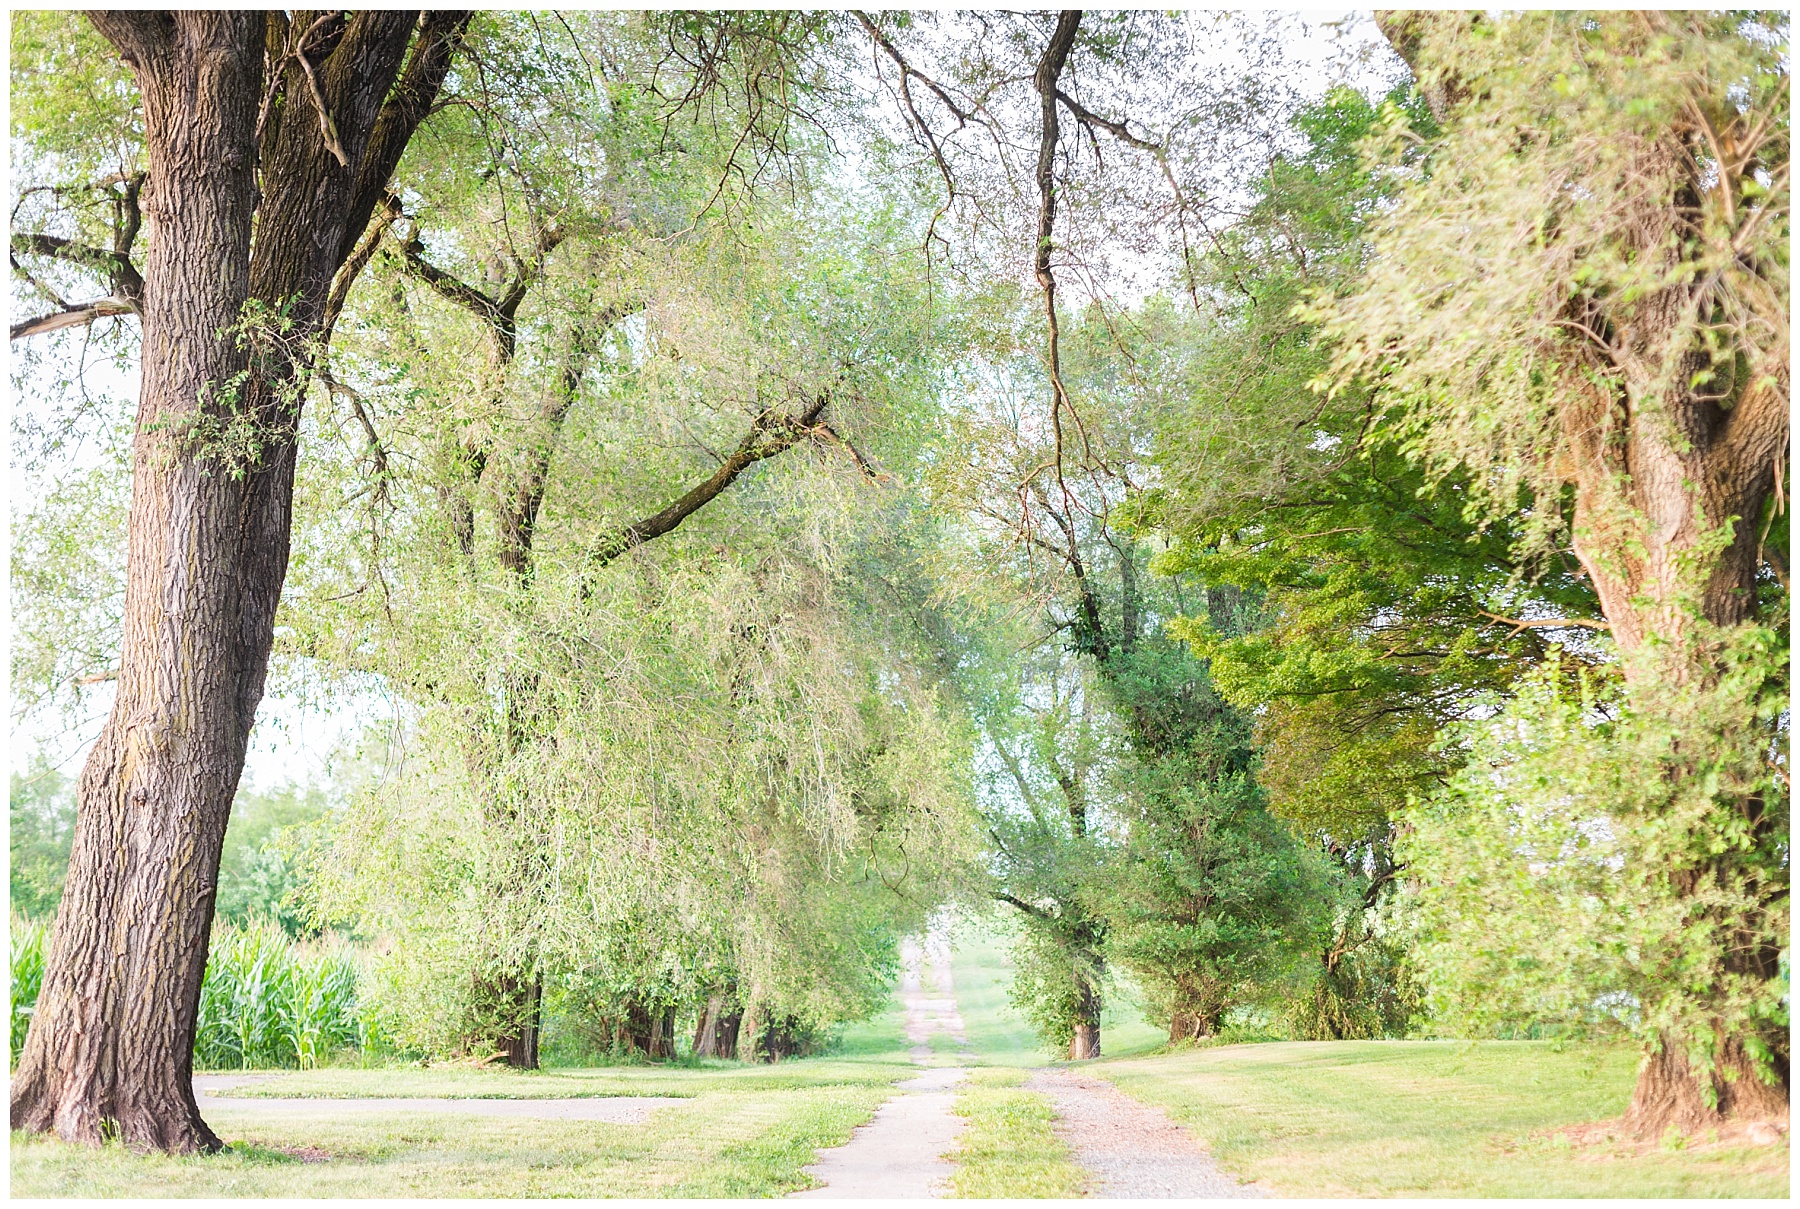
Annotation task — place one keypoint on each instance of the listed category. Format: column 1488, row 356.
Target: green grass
column 1312, row 1119
column 1008, row 1149
column 720, row 1144
column 1430, row 1118
column 470, row 1082
column 744, row 1131
column 982, row 971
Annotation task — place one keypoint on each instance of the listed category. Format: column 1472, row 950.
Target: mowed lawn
column 741, row 1131
column 1432, row 1119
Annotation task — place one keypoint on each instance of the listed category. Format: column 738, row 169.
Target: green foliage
column 28, row 941
column 1602, row 862
column 1057, row 983
column 1373, row 594
column 1361, row 985
column 1211, row 900
column 644, row 773
column 76, row 101
column 1580, row 181
column 259, row 866
column 41, row 825
column 268, row 1002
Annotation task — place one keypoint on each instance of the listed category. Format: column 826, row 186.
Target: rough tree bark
column 716, row 1033
column 1085, row 1042
column 111, row 1043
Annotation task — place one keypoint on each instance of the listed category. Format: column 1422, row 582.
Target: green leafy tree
column 1211, row 902
column 41, row 825
column 1583, row 288
column 220, row 145
column 1381, row 611
column 258, row 869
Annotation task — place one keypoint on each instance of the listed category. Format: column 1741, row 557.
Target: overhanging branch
column 74, row 316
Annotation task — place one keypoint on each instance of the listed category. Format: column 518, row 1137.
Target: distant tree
column 1212, row 901
column 259, row 874
column 40, row 829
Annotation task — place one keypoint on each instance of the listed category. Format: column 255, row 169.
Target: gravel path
column 1131, row 1149
column 899, row 1153
column 619, row 1110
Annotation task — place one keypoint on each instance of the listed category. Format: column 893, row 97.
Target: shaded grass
column 1009, row 1149
column 1430, row 1118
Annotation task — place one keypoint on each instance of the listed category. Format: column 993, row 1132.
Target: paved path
column 930, row 1010
column 1131, row 1149
column 899, row 1153
column 621, row 1110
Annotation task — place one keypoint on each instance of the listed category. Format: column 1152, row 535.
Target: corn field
column 29, row 943
column 267, row 1000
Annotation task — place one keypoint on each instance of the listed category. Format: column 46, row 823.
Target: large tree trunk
column 111, row 1042
column 1672, row 587
column 112, row 1037
column 1649, row 508
column 1671, row 1094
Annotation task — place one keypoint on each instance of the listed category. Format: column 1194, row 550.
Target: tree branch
column 74, row 316
column 440, row 33
column 1551, row 623
column 137, row 36
column 128, row 283
column 769, row 435
column 1022, row 905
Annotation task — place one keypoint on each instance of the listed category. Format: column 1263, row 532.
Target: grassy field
column 720, row 1143
column 744, row 1131
column 1009, row 1148
column 982, row 972
column 1432, row 1118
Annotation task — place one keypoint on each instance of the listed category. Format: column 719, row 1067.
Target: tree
column 40, row 829
column 1381, row 611
column 1583, row 288
column 606, row 578
column 1212, row 901
column 267, row 148
column 1057, row 139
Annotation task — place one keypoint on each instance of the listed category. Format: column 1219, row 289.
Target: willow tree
column 1582, row 298
column 267, row 144
column 607, row 572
